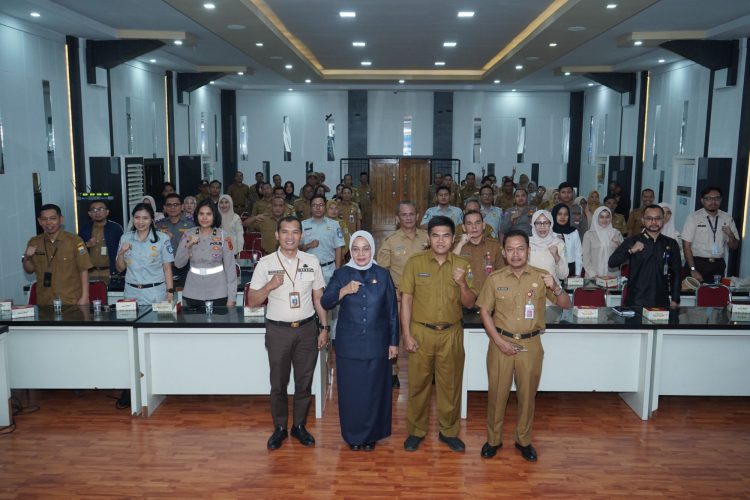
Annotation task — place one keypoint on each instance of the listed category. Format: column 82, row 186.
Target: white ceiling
column 404, row 37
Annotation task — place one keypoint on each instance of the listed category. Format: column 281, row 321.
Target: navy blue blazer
column 368, row 320
column 112, row 234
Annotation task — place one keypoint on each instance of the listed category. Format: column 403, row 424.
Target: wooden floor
column 590, row 445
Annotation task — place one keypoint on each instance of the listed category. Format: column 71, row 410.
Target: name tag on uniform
column 294, row 300
column 425, row 275
column 104, row 251
column 502, row 289
column 306, row 273
column 528, row 311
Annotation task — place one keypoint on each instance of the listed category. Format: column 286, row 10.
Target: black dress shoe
column 277, row 438
column 369, row 446
column 304, row 437
column 355, row 447
column 395, row 382
column 453, row 443
column 489, row 451
column 412, row 443
column 527, row 452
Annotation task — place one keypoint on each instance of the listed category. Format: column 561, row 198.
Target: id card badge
column 528, row 311
column 104, row 251
column 294, row 300
column 715, row 249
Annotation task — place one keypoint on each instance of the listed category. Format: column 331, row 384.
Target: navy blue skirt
column 364, row 390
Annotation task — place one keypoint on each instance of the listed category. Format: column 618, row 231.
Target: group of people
column 507, row 261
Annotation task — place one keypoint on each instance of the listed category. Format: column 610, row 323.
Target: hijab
column 227, row 218
column 189, row 216
column 561, row 228
column 536, row 241
column 593, row 205
column 371, row 241
column 668, row 229
column 605, row 236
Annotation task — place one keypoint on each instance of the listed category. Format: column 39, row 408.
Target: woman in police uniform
column 210, row 252
column 147, row 256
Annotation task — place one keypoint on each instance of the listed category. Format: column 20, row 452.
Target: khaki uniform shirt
column 488, row 231
column 364, row 196
column 437, row 298
column 261, row 207
column 350, row 213
column 267, row 230
column 505, row 201
column 484, row 258
column 634, row 221
column 618, row 222
column 466, row 192
column 240, row 195
column 66, row 259
column 699, row 233
column 507, row 296
column 302, row 209
column 396, row 250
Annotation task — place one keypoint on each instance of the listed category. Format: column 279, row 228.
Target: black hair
column 287, row 183
column 647, row 189
column 441, row 220
column 711, row 188
column 215, row 182
column 653, row 206
column 517, row 232
column 214, row 210
column 564, row 185
column 172, row 195
column 486, row 187
column 346, row 187
column 470, row 174
column 166, row 183
column 441, row 188
column 609, row 198
column 316, row 196
column 471, row 212
column 98, row 201
column 288, row 218
column 49, row 206
column 148, row 208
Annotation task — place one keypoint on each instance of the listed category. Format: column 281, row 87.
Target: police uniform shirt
column 267, row 230
column 454, row 213
column 145, row 259
column 307, row 274
column 396, row 250
column 329, row 236
column 213, row 250
column 436, row 296
column 66, row 259
column 507, row 295
column 493, row 217
column 698, row 230
column 176, row 230
column 484, row 258
column 523, row 222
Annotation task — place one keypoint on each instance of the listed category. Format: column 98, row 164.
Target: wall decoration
column 287, row 139
column 331, row 137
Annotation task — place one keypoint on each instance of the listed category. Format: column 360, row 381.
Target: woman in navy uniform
column 210, row 251
column 367, row 338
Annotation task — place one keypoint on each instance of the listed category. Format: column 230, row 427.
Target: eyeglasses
column 98, row 209
column 712, row 198
column 540, row 223
column 652, row 219
column 172, row 205
column 317, row 205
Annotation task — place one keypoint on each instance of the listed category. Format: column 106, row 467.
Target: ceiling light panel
column 465, row 14
column 35, row 14
column 347, row 14
column 209, row 6
column 439, row 63
column 449, row 44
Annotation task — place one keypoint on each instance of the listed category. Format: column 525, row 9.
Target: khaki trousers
column 527, row 368
column 442, row 354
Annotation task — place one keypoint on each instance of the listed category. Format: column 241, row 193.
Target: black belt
column 710, row 259
column 327, row 263
column 147, row 285
column 102, row 268
column 436, row 326
column 519, row 336
column 293, row 324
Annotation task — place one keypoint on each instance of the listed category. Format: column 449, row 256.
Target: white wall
column 386, row 111
column 307, row 111
column 500, row 111
column 28, row 56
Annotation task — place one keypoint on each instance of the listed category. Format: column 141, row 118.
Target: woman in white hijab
column 150, row 200
column 669, row 228
column 231, row 223
column 547, row 248
column 367, row 335
column 599, row 242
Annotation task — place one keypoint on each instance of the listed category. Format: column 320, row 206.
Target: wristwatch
column 692, row 268
column 326, row 328
column 170, row 290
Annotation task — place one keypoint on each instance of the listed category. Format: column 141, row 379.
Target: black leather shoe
column 453, row 443
column 355, row 447
column 527, row 452
column 369, row 446
column 277, row 438
column 299, row 432
column 489, row 451
column 395, row 382
column 412, row 443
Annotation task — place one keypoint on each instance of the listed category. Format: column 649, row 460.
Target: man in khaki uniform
column 263, row 205
column 470, row 188
column 349, row 211
column 59, row 259
column 511, row 306
column 240, row 194
column 618, row 221
column 432, row 192
column 302, row 205
column 484, row 254
column 635, row 225
column 433, row 290
column 364, row 197
column 266, row 225
column 506, row 199
column 396, row 250
column 455, row 196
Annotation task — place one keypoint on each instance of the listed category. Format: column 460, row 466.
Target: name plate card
column 607, row 281
column 23, row 312
column 126, row 305
column 587, row 312
column 656, row 313
column 254, row 311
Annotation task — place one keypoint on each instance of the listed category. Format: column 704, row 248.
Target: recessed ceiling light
column 465, row 13
column 288, row 66
column 577, row 28
column 449, row 44
column 591, row 84
column 290, row 89
column 209, row 6
column 240, row 73
column 35, row 14
column 178, row 42
column 638, row 43
column 259, row 44
column 402, row 81
column 236, row 26
column 152, row 61
column 308, row 80
column 366, row 63
column 611, row 5
column 519, row 66
column 347, row 13
column 553, row 44
column 359, row 44
column 496, row 82
column 211, row 82
column 439, row 63
column 662, row 61
column 512, row 90
column 567, row 73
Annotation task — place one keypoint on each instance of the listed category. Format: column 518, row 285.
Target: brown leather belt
column 147, row 285
column 710, row 259
column 293, row 324
column 436, row 326
column 519, row 336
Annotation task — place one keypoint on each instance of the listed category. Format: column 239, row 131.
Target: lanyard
column 50, row 259
column 714, row 227
column 284, row 268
